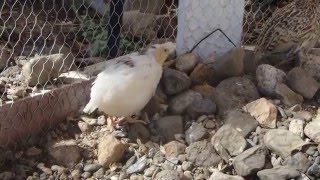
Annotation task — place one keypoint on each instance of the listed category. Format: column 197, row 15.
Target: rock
column 44, row 169
column 175, row 81
column 91, row 167
column 201, row 73
column 282, row 142
column 279, row 173
column 169, row 126
column 186, row 63
column 263, row 111
column 205, row 90
column 110, row 150
column 99, row 174
column 139, row 131
column 65, row 152
column 42, row 69
column 187, row 166
column 202, row 153
column 287, row 96
column 83, row 126
column 228, row 142
column 86, row 175
column 73, row 77
column 196, row 132
column 312, row 67
column 33, row 151
column 250, row 161
column 229, row 65
column 101, row 120
column 180, row 103
column 149, row 171
column 174, row 149
column 268, row 77
column 138, row 166
column 303, row 115
column 296, row 126
column 314, row 169
column 241, row 121
column 76, row 174
column 216, row 175
column 234, row 93
column 312, row 130
column 168, row 175
column 303, row 83
column 201, row 107
column 298, row 161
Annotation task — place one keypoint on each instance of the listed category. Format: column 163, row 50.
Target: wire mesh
column 45, row 44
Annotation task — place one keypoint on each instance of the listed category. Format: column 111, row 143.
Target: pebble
column 311, row 150
column 179, row 103
column 65, row 152
column 281, row 172
column 250, row 161
column 263, row 111
column 138, row 166
column 298, row 161
column 187, row 166
column 174, row 148
column 228, row 142
column 288, row 97
column 168, row 175
column 91, row 167
column 76, row 174
column 312, row 130
column 314, row 169
column 282, row 142
column 175, row 81
column 296, row 126
column 186, row 62
column 216, row 175
column 196, row 132
column 86, row 175
column 202, row 153
column 201, row 107
column 149, row 171
column 169, row 126
column 110, row 150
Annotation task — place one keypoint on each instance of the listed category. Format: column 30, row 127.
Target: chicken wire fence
column 48, row 44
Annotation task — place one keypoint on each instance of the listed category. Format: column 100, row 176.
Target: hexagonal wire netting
column 46, row 45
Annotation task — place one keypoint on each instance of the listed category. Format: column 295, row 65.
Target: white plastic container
column 198, row 18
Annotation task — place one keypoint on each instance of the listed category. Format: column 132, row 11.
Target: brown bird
column 289, row 33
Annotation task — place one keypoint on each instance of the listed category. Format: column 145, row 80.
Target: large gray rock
column 287, row 96
column 278, row 173
column 186, row 62
column 298, row 161
column 196, row 132
column 234, row 93
column 201, row 107
column 168, row 126
column 65, row 152
column 312, row 67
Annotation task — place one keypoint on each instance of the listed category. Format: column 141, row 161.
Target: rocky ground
column 207, row 121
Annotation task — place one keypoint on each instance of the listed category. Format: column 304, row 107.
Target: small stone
column 187, row 175
column 149, row 171
column 175, row 81
column 174, row 148
column 91, row 167
column 312, row 67
column 76, row 174
column 314, row 169
column 101, row 120
column 282, row 142
column 201, row 73
column 228, row 142
column 139, row 166
column 202, row 153
column 44, row 169
column 250, row 161
column 210, row 124
column 136, row 177
column 303, row 115
column 296, row 126
column 201, row 107
column 169, row 126
column 263, row 111
column 110, row 150
column 59, row 169
column 65, row 152
column 89, row 120
column 298, row 161
column 83, row 126
column 303, row 83
column 287, row 96
column 216, row 175
column 168, row 175
column 311, row 150
column 234, row 93
column 196, row 132
column 99, row 174
column 186, row 62
column 86, row 175
column 312, row 130
column 268, row 78
column 180, row 103
column 187, row 166
column 33, row 151
column 139, row 131
column 241, row 121
column 205, row 90
column 280, row 173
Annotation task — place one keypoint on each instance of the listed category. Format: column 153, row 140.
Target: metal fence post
column 114, row 27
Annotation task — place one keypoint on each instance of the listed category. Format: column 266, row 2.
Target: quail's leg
column 131, row 120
